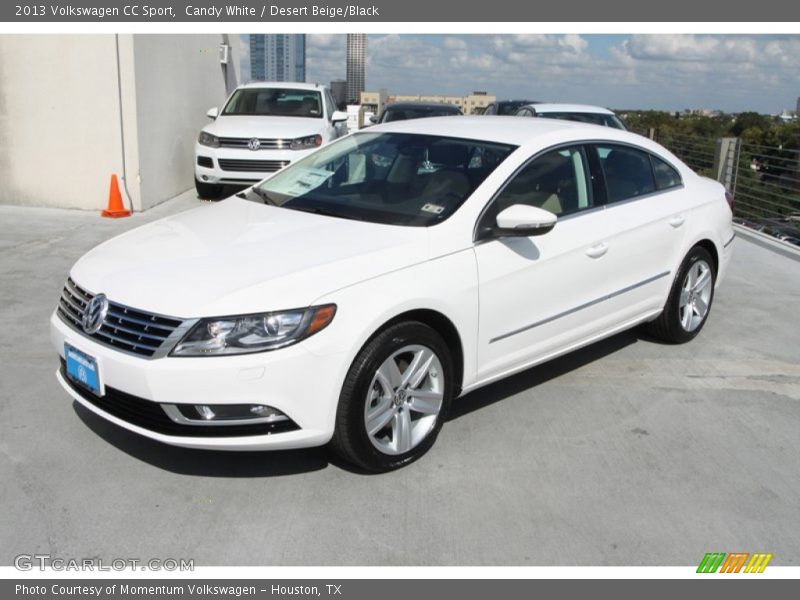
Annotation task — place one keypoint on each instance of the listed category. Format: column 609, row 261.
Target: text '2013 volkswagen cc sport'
column 353, row 296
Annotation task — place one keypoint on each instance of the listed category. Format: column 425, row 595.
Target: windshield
column 402, row 114
column 392, row 178
column 593, row 118
column 276, row 102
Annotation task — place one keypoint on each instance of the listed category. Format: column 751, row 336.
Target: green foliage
column 768, row 174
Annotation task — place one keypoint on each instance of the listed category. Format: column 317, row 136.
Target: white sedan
column 353, row 296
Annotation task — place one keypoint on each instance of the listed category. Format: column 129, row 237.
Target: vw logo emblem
column 94, row 314
column 254, row 144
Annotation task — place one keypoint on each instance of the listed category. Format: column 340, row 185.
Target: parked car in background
column 403, row 111
column 582, row 113
column 505, row 107
column 350, row 301
column 262, row 128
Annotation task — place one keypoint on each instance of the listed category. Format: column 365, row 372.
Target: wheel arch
column 711, row 247
column 445, row 327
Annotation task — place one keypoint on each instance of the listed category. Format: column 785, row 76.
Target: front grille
column 264, row 143
column 260, row 166
column 127, row 329
column 149, row 415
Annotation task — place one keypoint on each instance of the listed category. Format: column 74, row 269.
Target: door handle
column 677, row 221
column 597, row 250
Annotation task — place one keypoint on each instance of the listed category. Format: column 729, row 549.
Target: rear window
column 277, row 102
column 666, row 176
column 627, row 171
column 591, row 118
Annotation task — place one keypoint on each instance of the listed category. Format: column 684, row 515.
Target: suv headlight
column 304, row 143
column 206, row 139
column 254, row 333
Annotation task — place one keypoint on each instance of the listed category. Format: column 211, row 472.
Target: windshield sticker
column 433, row 208
column 304, row 181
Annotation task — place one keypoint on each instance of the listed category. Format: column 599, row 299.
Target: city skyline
column 733, row 73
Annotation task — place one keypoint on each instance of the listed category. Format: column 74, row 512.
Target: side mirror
column 338, row 116
column 522, row 220
column 212, row 113
column 373, row 119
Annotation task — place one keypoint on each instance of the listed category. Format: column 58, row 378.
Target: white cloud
column 641, row 71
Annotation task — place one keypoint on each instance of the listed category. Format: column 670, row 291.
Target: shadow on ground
column 213, row 463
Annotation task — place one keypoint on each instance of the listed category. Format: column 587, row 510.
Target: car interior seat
column 627, row 175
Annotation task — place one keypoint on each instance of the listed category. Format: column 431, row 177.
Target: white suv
column 262, row 128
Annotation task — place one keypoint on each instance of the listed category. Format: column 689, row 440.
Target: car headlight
column 304, row 143
column 254, row 333
column 206, row 139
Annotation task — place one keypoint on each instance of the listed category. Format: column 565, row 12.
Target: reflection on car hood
column 238, row 256
column 265, row 127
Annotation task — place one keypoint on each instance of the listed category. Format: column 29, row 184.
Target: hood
column 237, row 257
column 265, row 127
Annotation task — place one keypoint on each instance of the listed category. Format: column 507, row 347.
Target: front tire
column 395, row 398
column 689, row 300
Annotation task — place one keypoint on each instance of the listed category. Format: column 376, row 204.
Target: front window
column 275, row 102
column 393, row 178
column 556, row 181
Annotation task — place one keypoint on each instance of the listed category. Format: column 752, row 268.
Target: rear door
column 540, row 295
column 646, row 209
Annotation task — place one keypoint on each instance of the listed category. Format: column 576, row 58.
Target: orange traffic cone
column 115, row 208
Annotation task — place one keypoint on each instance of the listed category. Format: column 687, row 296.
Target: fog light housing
column 223, row 414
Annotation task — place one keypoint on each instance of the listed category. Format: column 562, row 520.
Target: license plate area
column 82, row 369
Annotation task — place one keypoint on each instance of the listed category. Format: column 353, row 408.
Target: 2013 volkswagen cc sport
column 353, row 296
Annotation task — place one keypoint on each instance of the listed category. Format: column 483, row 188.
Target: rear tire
column 395, row 398
column 689, row 301
column 208, row 191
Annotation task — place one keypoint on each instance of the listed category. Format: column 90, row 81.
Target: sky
column 733, row 73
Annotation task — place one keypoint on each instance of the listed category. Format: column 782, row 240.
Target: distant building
column 470, row 104
column 356, row 65
column 339, row 92
column 277, row 57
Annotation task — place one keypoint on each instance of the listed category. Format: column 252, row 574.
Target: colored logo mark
column 735, row 562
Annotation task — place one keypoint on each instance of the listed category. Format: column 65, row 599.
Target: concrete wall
column 66, row 108
column 178, row 78
column 59, row 120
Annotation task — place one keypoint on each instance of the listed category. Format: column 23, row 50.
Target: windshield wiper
column 263, row 195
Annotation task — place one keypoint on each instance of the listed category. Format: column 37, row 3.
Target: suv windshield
column 393, row 178
column 277, row 102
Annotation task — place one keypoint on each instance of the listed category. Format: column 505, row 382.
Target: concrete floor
column 628, row 452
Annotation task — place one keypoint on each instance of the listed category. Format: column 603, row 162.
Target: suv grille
column 261, row 166
column 124, row 328
column 264, row 143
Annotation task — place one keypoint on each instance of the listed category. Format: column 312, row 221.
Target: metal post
column 726, row 158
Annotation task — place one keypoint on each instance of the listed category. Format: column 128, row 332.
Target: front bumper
column 302, row 385
column 241, row 166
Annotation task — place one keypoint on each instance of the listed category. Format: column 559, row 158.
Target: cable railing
column 764, row 180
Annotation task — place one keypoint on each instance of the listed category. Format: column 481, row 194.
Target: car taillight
column 729, row 199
